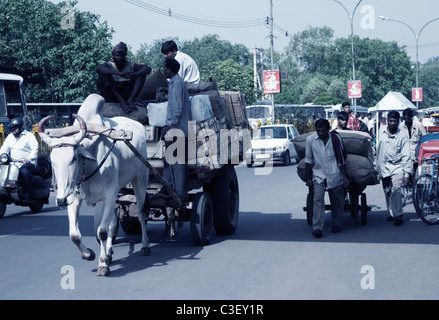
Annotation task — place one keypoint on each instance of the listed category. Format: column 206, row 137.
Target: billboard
column 354, row 89
column 271, row 81
column 417, row 94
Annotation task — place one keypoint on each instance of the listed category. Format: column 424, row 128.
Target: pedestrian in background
column 353, row 122
column 394, row 165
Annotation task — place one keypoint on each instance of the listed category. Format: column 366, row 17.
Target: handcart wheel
column 363, row 209
column 309, row 207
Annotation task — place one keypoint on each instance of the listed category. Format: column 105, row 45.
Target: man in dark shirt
column 120, row 80
column 176, row 130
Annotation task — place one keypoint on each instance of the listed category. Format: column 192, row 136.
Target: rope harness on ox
column 115, row 135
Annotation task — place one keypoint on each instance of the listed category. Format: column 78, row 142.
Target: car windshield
column 270, row 133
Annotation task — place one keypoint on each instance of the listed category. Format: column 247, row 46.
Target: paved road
column 272, row 255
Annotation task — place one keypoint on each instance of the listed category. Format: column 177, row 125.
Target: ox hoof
column 145, row 251
column 90, row 257
column 103, row 271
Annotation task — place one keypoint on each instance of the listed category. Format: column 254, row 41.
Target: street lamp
column 351, row 18
column 417, row 35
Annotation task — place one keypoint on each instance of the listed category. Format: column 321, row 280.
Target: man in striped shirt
column 326, row 169
column 394, row 165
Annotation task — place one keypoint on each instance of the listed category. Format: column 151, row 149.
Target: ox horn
column 41, row 133
column 42, row 123
column 82, row 129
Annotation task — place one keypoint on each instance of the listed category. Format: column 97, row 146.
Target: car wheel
column 287, row 159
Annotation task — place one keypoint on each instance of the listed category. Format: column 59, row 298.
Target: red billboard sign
column 271, row 81
column 417, row 94
column 354, row 89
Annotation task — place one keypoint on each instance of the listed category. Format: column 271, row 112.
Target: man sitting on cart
column 326, row 169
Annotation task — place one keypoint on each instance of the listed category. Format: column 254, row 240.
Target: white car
column 273, row 143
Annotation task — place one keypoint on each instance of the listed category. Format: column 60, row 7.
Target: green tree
column 230, row 76
column 429, row 81
column 58, row 64
column 381, row 66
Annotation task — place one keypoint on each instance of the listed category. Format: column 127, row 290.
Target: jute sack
column 300, row 144
column 152, row 82
column 358, row 169
column 361, row 171
column 301, row 170
column 356, row 142
column 113, row 109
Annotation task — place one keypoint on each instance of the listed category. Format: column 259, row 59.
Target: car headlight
column 279, row 148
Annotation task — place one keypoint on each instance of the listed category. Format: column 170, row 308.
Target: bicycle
column 425, row 191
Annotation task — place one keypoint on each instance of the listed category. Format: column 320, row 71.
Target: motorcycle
column 11, row 192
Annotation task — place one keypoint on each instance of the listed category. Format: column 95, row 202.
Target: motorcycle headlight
column 4, row 158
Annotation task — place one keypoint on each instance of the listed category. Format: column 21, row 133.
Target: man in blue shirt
column 176, row 130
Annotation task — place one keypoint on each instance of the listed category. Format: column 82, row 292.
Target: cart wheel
column 309, row 208
column 363, row 209
column 224, row 191
column 353, row 197
column 201, row 219
column 2, row 208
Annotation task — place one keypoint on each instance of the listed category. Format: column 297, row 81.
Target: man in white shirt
column 22, row 146
column 188, row 68
column 394, row 165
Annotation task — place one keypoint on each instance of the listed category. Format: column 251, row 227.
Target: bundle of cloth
column 360, row 167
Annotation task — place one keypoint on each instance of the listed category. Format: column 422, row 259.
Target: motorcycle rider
column 22, row 146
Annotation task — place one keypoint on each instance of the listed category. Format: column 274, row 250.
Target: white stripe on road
column 21, row 232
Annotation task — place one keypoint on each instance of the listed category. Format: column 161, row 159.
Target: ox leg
column 104, row 235
column 75, row 234
column 139, row 185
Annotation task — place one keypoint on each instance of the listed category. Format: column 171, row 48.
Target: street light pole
column 272, row 57
column 417, row 35
column 351, row 19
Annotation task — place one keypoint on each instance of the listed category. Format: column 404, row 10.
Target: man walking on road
column 326, row 169
column 394, row 165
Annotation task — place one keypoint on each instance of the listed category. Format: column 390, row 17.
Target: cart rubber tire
column 363, row 209
column 131, row 225
column 2, row 209
column 309, row 208
column 36, row 207
column 202, row 219
column 224, row 191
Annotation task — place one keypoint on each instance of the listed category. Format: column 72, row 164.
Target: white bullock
column 75, row 157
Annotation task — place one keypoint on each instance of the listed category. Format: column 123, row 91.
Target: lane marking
column 21, row 232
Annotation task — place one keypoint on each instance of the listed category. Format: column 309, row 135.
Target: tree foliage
column 429, row 81
column 58, row 64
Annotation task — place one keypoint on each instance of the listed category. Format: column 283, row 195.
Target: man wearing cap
column 22, row 146
column 120, row 80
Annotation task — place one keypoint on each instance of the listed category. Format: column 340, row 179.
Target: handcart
column 357, row 203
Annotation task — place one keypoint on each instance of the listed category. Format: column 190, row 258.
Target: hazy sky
column 135, row 25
